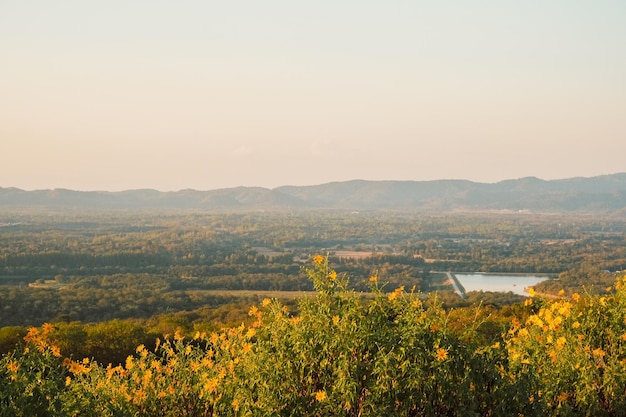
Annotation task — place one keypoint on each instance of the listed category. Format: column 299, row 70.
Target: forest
column 93, row 300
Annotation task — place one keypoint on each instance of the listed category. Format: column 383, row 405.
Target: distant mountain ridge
column 602, row 193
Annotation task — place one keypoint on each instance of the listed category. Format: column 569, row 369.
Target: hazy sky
column 113, row 95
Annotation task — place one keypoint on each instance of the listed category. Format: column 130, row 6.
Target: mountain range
column 606, row 193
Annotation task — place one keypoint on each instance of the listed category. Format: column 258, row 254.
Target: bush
column 345, row 354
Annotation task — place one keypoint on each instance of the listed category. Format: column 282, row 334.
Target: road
column 456, row 284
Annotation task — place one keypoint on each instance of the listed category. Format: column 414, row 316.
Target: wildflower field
column 339, row 354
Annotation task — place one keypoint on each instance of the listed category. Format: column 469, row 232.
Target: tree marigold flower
column 441, row 354
column 13, row 366
column 320, row 395
column 598, row 352
column 47, row 328
column 55, row 351
column 76, row 368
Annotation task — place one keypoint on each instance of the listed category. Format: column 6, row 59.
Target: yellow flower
column 68, row 381
column 552, row 355
column 47, row 328
column 76, row 368
column 335, row 319
column 235, row 405
column 575, row 297
column 332, row 276
column 55, row 351
column 598, row 352
column 33, row 335
column 318, row 259
column 395, row 293
column 178, row 335
column 147, row 376
column 320, row 395
column 531, row 292
column 266, row 302
column 442, row 354
column 13, row 366
column 156, row 365
column 373, row 278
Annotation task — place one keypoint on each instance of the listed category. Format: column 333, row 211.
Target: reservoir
column 499, row 283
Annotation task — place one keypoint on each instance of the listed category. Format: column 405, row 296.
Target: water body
column 499, row 283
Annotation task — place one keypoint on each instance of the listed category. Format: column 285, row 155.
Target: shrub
column 345, row 354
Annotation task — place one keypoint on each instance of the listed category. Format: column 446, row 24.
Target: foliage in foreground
column 394, row 354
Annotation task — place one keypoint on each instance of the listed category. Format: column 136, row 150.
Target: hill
column 595, row 194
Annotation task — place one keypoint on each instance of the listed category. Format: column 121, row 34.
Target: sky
column 116, row 95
